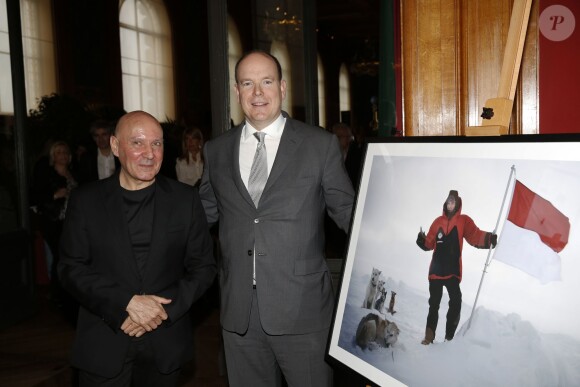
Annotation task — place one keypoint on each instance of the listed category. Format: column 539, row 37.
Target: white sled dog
column 371, row 289
column 374, row 331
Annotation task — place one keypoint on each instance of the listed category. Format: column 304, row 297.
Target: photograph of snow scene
column 463, row 264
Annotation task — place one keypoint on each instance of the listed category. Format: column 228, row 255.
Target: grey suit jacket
column 287, row 229
column 98, row 268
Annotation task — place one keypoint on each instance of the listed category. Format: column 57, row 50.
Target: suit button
column 256, row 221
column 249, row 252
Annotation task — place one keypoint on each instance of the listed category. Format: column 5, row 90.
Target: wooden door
column 452, row 53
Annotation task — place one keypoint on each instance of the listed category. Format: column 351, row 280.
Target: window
column 321, row 94
column 146, row 58
column 344, row 90
column 38, row 49
column 280, row 51
column 6, row 103
column 234, row 53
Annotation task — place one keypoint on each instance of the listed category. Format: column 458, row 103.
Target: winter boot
column 429, row 336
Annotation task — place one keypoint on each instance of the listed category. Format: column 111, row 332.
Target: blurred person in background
column 52, row 185
column 98, row 162
column 189, row 166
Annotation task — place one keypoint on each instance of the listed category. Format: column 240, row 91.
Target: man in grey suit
column 276, row 293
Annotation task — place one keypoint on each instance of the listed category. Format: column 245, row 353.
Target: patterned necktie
column 259, row 171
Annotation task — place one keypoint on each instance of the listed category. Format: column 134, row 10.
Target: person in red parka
column 445, row 237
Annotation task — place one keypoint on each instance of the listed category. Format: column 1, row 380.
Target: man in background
column 336, row 239
column 98, row 162
column 351, row 151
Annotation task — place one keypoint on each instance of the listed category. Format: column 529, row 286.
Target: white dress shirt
column 248, row 144
column 105, row 164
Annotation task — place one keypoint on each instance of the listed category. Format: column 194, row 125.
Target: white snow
column 497, row 349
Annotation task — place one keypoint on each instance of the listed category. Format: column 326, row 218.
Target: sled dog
column 381, row 297
column 371, row 289
column 392, row 303
column 373, row 331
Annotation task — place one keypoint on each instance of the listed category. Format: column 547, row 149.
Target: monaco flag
column 534, row 233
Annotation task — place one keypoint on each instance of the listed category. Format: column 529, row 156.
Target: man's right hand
column 421, row 240
column 147, row 311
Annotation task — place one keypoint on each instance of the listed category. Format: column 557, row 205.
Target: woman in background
column 53, row 182
column 189, row 166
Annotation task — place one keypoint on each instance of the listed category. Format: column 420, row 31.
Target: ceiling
column 350, row 19
column 353, row 23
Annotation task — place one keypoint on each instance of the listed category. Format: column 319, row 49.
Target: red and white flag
column 534, row 233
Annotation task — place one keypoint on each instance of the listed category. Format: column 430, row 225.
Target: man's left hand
column 493, row 240
column 131, row 328
column 147, row 310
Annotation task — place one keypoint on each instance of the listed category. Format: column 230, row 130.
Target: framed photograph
column 507, row 251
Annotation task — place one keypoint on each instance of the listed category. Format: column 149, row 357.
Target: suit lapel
column 234, row 142
column 289, row 144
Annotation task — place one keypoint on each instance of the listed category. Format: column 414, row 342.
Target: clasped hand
column 146, row 313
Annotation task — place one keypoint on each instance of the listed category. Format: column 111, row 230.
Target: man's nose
column 148, row 152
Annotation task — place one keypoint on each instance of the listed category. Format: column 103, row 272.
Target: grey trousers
column 258, row 359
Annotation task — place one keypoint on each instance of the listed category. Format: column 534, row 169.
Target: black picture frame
column 522, row 332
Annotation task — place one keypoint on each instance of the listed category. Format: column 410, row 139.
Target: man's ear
column 283, row 89
column 114, row 141
column 237, row 88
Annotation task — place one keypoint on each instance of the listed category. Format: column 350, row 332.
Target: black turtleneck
column 139, row 208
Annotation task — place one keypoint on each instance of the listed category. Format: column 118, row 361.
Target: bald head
column 138, row 143
column 131, row 119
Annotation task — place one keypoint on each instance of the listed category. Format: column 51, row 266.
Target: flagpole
column 512, row 172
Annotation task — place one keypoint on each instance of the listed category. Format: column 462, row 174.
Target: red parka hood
column 458, row 204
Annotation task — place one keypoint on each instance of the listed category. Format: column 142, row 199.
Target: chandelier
column 279, row 25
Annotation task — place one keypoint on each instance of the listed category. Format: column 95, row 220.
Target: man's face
column 260, row 92
column 102, row 138
column 138, row 144
column 450, row 204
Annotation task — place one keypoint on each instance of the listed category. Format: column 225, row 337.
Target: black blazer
column 98, row 268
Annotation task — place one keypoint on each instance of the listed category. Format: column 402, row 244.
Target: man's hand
column 147, row 311
column 493, row 240
column 421, row 239
column 131, row 328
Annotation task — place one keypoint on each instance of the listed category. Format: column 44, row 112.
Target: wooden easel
column 497, row 111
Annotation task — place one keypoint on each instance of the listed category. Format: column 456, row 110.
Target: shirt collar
column 102, row 155
column 275, row 129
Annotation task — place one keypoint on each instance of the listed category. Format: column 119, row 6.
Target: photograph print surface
column 523, row 328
